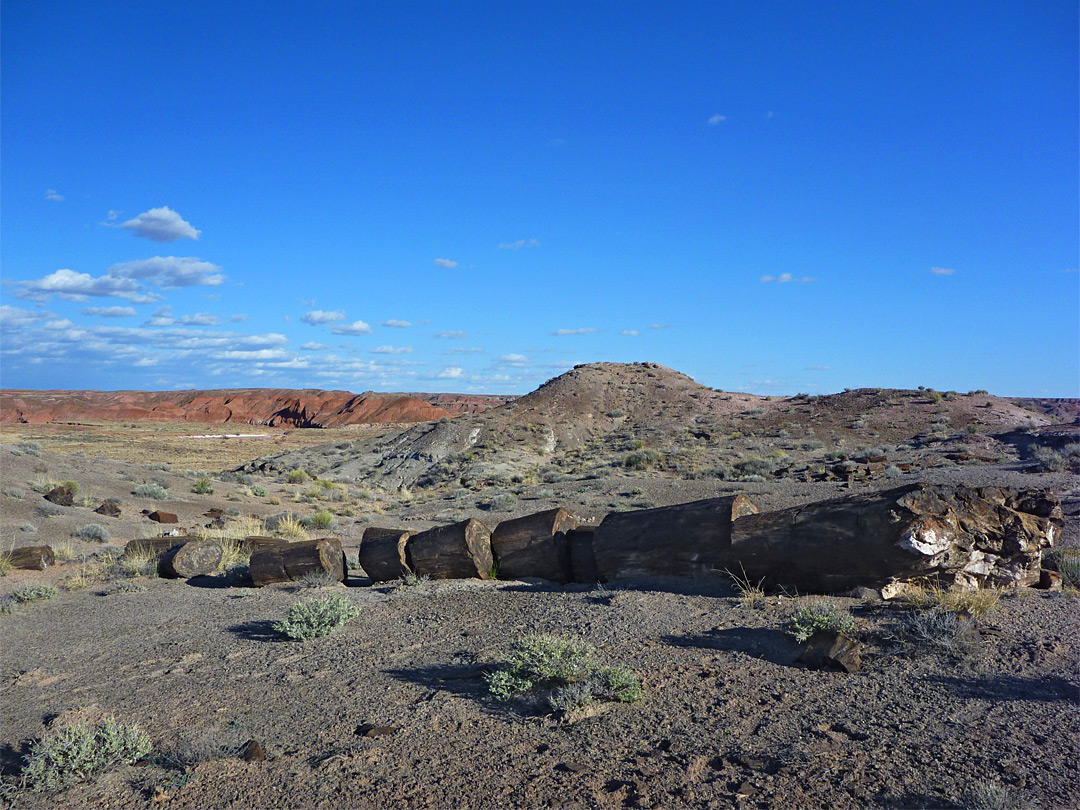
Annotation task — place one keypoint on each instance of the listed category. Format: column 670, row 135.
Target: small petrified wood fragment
column 459, row 551
column 31, row 558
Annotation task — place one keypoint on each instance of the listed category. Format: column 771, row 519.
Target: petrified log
column 954, row 535
column 258, row 542
column 534, row 546
column 32, row 558
column 382, row 553
column 194, row 558
column 582, row 558
column 288, row 562
column 163, row 517
column 152, row 545
column 685, row 540
column 109, row 508
column 61, row 496
column 459, row 551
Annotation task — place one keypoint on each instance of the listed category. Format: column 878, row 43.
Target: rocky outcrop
column 250, row 406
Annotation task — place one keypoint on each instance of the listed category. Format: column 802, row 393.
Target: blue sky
column 466, row 196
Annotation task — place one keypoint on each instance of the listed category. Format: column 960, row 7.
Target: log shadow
column 1011, row 687
column 765, row 643
column 917, row 801
column 464, row 680
column 256, row 631
column 12, row 759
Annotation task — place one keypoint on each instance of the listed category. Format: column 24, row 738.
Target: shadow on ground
column 1011, row 687
column 256, row 631
column 765, row 643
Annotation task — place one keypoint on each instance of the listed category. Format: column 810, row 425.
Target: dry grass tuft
column 974, row 603
column 291, row 528
column 751, row 594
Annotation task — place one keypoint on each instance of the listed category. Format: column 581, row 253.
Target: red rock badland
column 249, row 406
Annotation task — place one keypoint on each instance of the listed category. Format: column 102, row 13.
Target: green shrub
column 503, row 501
column 809, row 619
column 81, row 751
column 30, row 528
column 34, row 593
column 1066, row 561
column 566, row 669
column 93, row 532
column 155, row 491
column 203, row 486
column 411, row 580
column 297, row 477
column 317, row 617
column 321, row 520
column 258, row 491
column 12, row 492
column 317, row 579
column 641, row 459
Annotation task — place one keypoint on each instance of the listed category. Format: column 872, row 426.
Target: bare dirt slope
column 251, row 406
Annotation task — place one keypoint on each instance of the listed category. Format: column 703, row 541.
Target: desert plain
column 394, row 708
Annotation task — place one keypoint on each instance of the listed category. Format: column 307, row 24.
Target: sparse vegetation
column 93, row 532
column 317, row 617
column 411, row 580
column 818, row 616
column 751, row 594
column 976, row 603
column 258, row 491
column 321, row 520
column 155, row 491
column 34, row 593
column 82, row 751
column 289, row 527
column 565, row 670
column 297, row 476
column 991, row 796
column 1066, row 561
column 317, row 579
column 202, row 486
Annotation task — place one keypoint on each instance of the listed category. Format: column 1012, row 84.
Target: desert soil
column 730, row 718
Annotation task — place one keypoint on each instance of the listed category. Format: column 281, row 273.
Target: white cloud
column 354, row 328
column 170, row 272
column 563, row 332
column 14, row 317
column 519, row 244
column 449, row 264
column 463, row 350
column 109, row 312
column 451, row 334
column 161, row 225
column 770, row 114
column 786, row 278
column 630, row 332
column 72, row 286
column 50, row 194
column 165, row 317
column 396, row 324
column 309, row 303
column 817, row 368
column 515, row 360
column 391, row 350
column 659, row 325
column 450, row 373
column 717, row 119
column 314, row 347
column 252, row 354
column 113, row 215
column 942, row 271
column 318, row 316
column 238, row 317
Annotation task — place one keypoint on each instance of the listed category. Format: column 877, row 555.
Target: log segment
column 534, row 546
column 382, row 553
column 582, row 557
column 954, row 535
column 459, row 551
column 258, row 542
column 31, row 558
column 194, row 558
column 685, row 540
column 289, row 562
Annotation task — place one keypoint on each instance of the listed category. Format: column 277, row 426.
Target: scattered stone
column 31, row 558
column 61, row 496
column 214, row 514
column 371, row 730
column 572, row 767
column 1049, row 580
column 827, row 649
column 252, row 751
column 163, row 517
column 109, row 508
